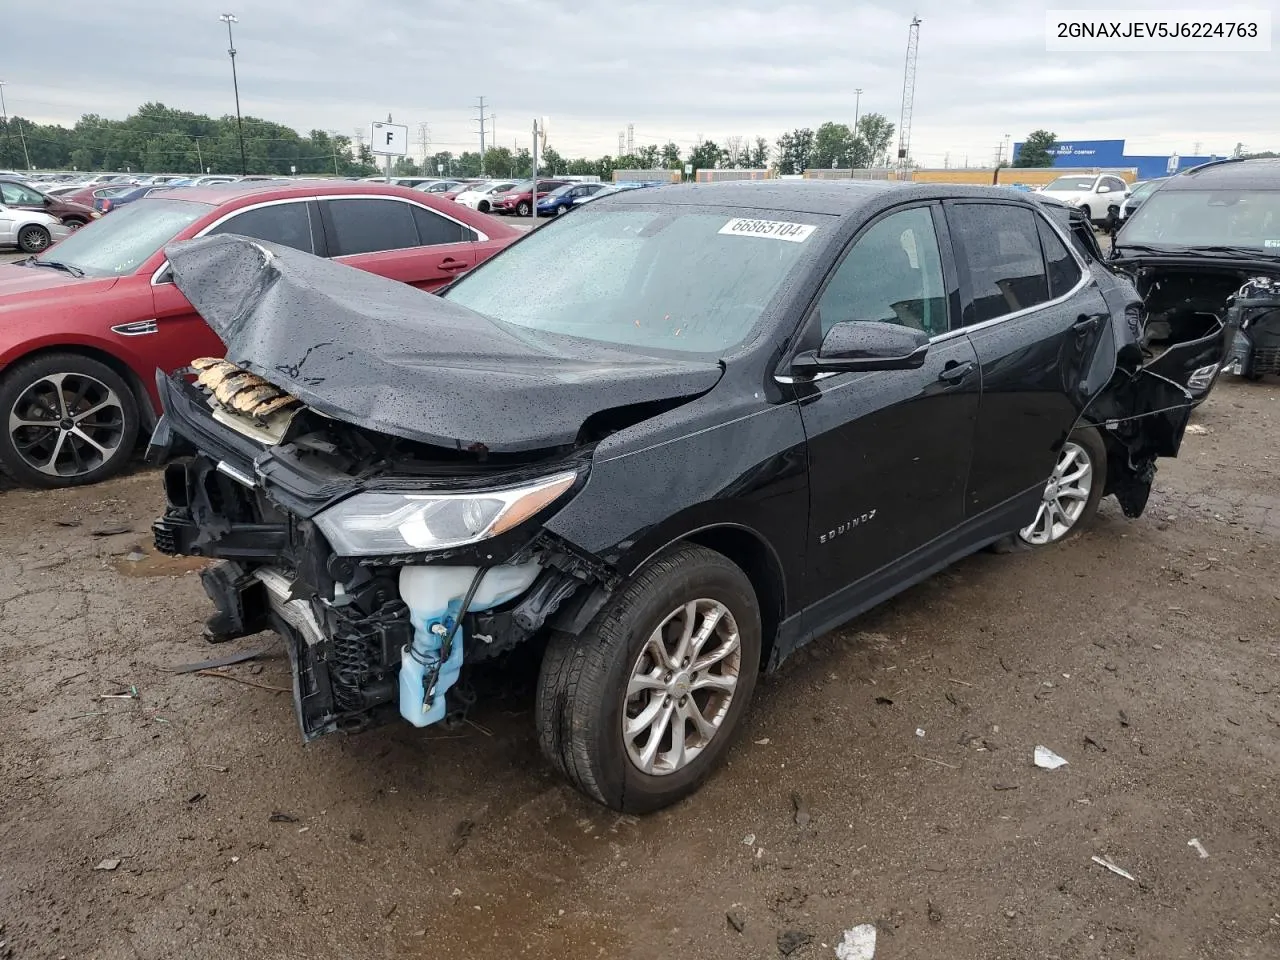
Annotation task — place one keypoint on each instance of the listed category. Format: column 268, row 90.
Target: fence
column 667, row 176
column 715, row 176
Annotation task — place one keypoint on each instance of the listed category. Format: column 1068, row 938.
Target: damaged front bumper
column 368, row 634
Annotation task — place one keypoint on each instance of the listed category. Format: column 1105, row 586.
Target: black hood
column 389, row 357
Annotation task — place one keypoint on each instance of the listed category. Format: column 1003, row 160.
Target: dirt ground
column 885, row 775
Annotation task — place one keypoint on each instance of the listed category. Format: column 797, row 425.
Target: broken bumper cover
column 366, row 632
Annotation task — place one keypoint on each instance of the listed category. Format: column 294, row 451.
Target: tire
column 522, row 209
column 74, row 223
column 1083, row 446
column 483, row 206
column 33, row 238
column 562, row 209
column 582, row 694
column 89, row 395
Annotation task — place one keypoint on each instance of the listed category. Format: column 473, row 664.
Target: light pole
column 857, row 111
column 229, row 19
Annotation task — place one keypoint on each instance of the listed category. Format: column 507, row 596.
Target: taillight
column 106, row 205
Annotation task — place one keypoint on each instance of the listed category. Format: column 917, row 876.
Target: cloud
column 675, row 70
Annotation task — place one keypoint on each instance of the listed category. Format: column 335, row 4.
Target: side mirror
column 1104, row 189
column 865, row 345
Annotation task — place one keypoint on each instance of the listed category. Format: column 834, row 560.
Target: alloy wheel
column 681, row 686
column 33, row 239
column 67, row 424
column 1065, row 497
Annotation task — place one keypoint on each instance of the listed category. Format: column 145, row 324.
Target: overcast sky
column 676, row 70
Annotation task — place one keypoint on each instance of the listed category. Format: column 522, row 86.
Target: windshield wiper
column 56, row 265
column 1253, row 252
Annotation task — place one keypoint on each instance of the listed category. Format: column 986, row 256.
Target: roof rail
column 1209, row 163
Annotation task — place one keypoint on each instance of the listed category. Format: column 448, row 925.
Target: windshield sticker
column 774, row 229
column 1269, row 244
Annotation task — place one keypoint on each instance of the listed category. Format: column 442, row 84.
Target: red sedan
column 84, row 325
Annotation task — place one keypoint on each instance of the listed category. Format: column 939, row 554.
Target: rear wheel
column 641, row 707
column 1073, row 492
column 68, row 420
column 33, row 238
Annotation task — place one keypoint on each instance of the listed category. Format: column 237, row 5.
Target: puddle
column 154, row 564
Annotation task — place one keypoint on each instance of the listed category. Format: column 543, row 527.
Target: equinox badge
column 845, row 527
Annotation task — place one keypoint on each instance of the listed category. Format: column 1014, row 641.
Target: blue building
column 1111, row 153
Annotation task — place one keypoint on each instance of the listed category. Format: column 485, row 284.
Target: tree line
column 831, row 145
column 160, row 139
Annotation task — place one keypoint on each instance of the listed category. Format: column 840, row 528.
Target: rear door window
column 999, row 248
column 288, row 224
column 368, row 225
column 434, row 228
column 1063, row 270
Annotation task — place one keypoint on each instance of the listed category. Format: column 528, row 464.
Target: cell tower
column 908, row 92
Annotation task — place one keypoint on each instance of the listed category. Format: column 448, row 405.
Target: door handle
column 448, row 263
column 954, row 372
column 1086, row 324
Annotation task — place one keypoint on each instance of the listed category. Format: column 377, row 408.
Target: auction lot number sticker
column 773, row 229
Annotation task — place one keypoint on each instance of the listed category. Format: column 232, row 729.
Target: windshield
column 1070, row 183
column 1201, row 218
column 120, row 243
column 665, row 279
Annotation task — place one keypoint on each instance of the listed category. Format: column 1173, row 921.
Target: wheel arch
column 146, row 409
column 754, row 555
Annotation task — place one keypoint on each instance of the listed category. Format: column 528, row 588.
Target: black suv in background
column 1206, row 246
column 734, row 417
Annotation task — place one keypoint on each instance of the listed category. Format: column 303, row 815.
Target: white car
column 477, row 198
column 29, row 230
column 1097, row 197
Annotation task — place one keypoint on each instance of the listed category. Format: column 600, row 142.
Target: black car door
column 1035, row 318
column 888, row 450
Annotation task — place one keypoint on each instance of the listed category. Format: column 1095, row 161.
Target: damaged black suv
column 671, row 437
column 1206, row 247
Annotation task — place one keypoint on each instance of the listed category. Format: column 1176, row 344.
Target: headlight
column 374, row 523
column 96, row 215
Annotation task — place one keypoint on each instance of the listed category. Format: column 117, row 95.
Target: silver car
column 29, row 230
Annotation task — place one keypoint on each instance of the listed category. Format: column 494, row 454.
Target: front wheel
column 641, row 707
column 68, row 420
column 1073, row 491
column 522, row 209
column 33, row 238
column 483, row 206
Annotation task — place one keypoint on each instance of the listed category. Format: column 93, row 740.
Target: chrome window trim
column 481, row 236
column 1086, row 277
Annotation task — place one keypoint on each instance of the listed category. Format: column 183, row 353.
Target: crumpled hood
column 388, row 357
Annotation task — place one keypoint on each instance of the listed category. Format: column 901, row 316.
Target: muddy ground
column 1143, row 652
